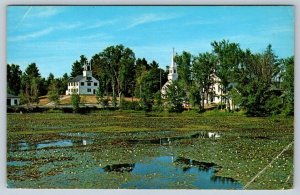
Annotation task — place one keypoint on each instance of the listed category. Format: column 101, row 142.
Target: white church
column 215, row 91
column 83, row 84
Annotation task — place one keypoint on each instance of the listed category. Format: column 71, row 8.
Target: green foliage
column 75, row 100
column 229, row 57
column 30, row 85
column 203, row 68
column 256, row 83
column 175, row 97
column 184, row 70
column 288, row 85
column 53, row 92
column 130, row 105
column 13, row 79
column 158, row 102
column 77, row 66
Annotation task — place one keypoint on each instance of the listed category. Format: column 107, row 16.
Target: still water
column 162, row 171
column 165, row 171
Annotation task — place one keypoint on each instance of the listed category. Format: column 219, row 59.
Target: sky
column 54, row 37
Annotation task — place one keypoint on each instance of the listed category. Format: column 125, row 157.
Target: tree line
column 260, row 83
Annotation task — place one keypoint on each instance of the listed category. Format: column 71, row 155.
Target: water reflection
column 17, row 163
column 169, row 140
column 119, row 168
column 22, row 146
column 165, row 171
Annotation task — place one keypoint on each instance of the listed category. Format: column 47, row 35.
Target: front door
column 94, row 91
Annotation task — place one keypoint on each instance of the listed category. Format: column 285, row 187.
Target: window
column 89, row 90
column 89, row 78
column 174, row 71
column 8, row 102
column 89, row 84
column 16, row 102
column 95, row 84
column 170, row 71
column 82, row 83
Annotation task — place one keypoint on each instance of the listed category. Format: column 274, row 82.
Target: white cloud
column 44, row 11
column 32, row 35
column 101, row 23
column 147, row 18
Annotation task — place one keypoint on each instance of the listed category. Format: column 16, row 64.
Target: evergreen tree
column 14, row 75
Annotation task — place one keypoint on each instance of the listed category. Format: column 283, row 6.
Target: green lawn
column 246, row 146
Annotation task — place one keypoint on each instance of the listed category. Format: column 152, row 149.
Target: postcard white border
column 4, row 3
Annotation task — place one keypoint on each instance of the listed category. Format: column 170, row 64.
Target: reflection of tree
column 222, row 179
column 119, row 168
column 203, row 166
column 186, row 164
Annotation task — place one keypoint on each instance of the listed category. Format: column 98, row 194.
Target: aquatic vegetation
column 56, row 150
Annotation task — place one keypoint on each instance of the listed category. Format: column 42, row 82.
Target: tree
column 288, row 85
column 203, row 68
column 13, row 79
column 228, row 60
column 75, row 99
column 158, row 103
column 53, row 92
column 184, row 62
column 175, row 96
column 77, row 66
column 118, row 63
column 256, row 76
column 30, row 84
column 62, row 84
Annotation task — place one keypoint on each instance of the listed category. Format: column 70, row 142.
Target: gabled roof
column 12, row 96
column 76, row 79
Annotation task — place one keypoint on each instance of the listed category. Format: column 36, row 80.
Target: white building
column 83, row 84
column 12, row 100
column 172, row 76
column 215, row 91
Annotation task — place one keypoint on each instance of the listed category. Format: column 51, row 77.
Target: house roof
column 11, row 96
column 76, row 79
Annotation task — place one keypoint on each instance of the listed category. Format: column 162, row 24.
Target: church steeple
column 173, row 69
column 87, row 69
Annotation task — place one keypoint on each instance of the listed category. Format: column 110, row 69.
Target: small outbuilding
column 12, row 100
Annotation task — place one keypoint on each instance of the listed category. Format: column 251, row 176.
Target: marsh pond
column 47, row 154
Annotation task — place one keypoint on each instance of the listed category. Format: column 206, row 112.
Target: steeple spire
column 173, row 69
column 172, row 60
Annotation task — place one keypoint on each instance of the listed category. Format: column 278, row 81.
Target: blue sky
column 55, row 36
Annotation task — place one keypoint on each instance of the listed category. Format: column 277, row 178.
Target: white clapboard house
column 83, row 84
